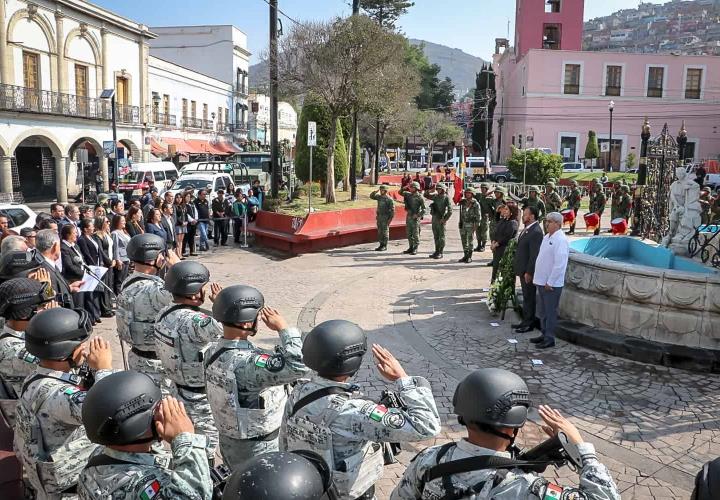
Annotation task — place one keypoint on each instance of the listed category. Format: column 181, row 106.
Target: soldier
column 183, row 334
column 415, row 208
column 142, row 296
column 20, row 300
column 499, row 193
column 469, row 220
column 552, row 200
column 715, row 207
column 487, row 208
column 124, row 414
column 493, row 405
column 615, row 201
column 384, row 215
column 533, row 200
column 705, row 204
column 49, row 437
column 246, row 384
column 597, row 203
column 573, row 200
column 326, row 414
column 624, row 203
column 441, row 210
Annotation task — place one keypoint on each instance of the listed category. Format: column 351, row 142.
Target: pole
column 115, row 156
column 245, row 223
column 487, row 119
column 311, row 184
column 274, row 99
column 354, row 151
column 377, row 151
column 610, row 148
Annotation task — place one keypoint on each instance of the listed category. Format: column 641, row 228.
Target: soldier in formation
column 124, row 414
column 468, row 224
column 574, row 200
column 487, row 208
column 533, row 200
column 615, row 198
column 552, row 199
column 597, row 203
column 493, row 406
column 183, row 334
column 441, row 210
column 415, row 208
column 49, row 436
column 327, row 415
column 247, row 386
column 624, row 203
column 500, row 192
column 384, row 215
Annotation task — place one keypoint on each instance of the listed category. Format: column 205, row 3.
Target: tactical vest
column 139, row 334
column 8, row 383
column 352, row 476
column 121, row 480
column 56, row 471
column 253, row 417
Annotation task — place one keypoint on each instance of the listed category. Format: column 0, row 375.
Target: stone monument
column 685, row 212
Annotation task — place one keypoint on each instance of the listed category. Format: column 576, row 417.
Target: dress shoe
column 517, row 325
column 524, row 329
column 108, row 315
column 98, row 320
column 538, row 340
column 438, row 256
column 546, row 344
column 433, row 255
column 408, row 251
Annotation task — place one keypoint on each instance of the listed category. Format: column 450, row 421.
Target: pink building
column 551, row 97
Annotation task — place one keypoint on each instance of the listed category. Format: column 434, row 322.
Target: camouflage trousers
column 438, row 229
column 383, row 228
column 236, row 451
column 482, row 230
column 153, row 368
column 198, row 409
column 413, row 231
column 492, row 228
column 467, row 232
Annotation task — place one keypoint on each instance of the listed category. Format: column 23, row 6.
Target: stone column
column 61, row 178
column 144, row 95
column 4, row 49
column 61, row 64
column 6, row 170
column 105, row 60
column 104, row 173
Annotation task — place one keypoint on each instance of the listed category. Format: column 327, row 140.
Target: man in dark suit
column 48, row 246
column 526, row 253
column 168, row 224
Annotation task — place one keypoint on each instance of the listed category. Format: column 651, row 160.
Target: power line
column 283, row 14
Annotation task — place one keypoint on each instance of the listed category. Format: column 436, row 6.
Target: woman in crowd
column 99, row 211
column 120, row 239
column 72, row 260
column 134, row 221
column 92, row 255
column 192, row 220
column 202, row 205
column 181, row 223
column 104, row 240
column 239, row 210
column 153, row 225
column 505, row 230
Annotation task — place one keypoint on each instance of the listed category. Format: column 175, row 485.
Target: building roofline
column 222, row 83
column 200, row 26
column 638, row 54
column 108, row 16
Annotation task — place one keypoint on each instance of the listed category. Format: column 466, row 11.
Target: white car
column 210, row 181
column 574, row 166
column 19, row 216
column 712, row 180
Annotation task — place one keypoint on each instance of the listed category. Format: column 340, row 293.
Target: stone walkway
column 654, row 427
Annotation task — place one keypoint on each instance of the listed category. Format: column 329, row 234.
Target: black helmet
column 238, row 304
column 119, row 409
column 54, row 334
column 19, row 297
column 707, row 481
column 145, row 247
column 186, row 278
column 280, row 476
column 19, row 263
column 335, row 348
column 493, row 397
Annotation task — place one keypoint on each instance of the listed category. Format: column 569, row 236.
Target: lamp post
column 611, row 107
column 682, row 143
column 110, row 94
column 641, row 179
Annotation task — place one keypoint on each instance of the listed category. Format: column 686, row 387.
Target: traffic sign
column 312, row 134
column 108, row 147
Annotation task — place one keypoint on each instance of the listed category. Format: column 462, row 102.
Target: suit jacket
column 169, row 230
column 156, row 229
column 71, row 259
column 91, row 251
column 527, row 250
column 59, row 284
column 104, row 245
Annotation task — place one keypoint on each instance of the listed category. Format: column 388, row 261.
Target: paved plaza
column 653, row 427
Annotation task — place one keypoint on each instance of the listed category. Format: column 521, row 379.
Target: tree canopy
column 385, row 12
column 540, row 166
column 483, row 109
column 313, row 110
column 434, row 93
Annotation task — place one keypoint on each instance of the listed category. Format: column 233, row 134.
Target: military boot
column 381, row 248
column 481, row 248
column 438, row 256
column 408, row 251
column 413, row 251
column 469, row 258
column 433, row 255
column 464, row 259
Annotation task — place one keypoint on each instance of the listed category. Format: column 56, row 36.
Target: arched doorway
column 34, row 167
column 85, row 153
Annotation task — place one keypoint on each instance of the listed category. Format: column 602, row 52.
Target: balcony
column 240, row 91
column 207, row 124
column 237, row 128
column 190, row 122
column 27, row 100
column 127, row 114
column 164, row 120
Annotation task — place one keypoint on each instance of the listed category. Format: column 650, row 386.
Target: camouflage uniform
column 486, row 213
column 496, row 202
column 624, row 203
column 15, row 362
column 247, row 394
column 574, row 200
column 715, row 208
column 705, row 204
column 552, row 201
column 182, row 337
column 469, row 219
column 415, row 207
column 345, row 428
column 595, row 480
column 140, row 300
column 50, row 439
column 597, row 203
column 441, row 210
column 184, row 474
column 385, row 214
column 534, row 201
column 615, row 202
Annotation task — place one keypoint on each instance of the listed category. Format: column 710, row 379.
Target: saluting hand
column 556, row 423
column 215, row 289
column 387, row 364
column 99, row 354
column 273, row 319
column 171, row 419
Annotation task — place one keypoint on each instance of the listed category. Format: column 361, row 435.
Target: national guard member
column 487, row 208
column 493, row 405
column 415, row 208
column 499, row 193
column 533, row 200
column 384, row 215
column 124, row 414
column 705, row 205
column 142, row 296
column 246, row 384
column 49, row 437
column 552, row 200
column 597, row 203
column 327, row 415
column 615, row 201
column 469, row 220
column 441, row 210
column 574, row 200
column 20, row 300
column 183, row 334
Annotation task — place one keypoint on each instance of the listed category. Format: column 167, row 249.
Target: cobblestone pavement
column 652, row 426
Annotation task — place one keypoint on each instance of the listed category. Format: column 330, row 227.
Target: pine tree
column 385, row 12
column 592, row 151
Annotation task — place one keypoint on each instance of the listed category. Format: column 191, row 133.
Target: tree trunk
column 330, row 188
column 346, row 180
column 372, row 169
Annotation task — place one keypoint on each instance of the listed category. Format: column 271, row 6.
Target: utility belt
column 144, row 354
column 267, row 437
column 196, row 390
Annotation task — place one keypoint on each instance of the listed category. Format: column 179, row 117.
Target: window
column 81, row 80
column 551, row 37
column 166, row 106
column 220, row 115
column 552, row 6
column 121, row 91
column 656, row 75
column 205, row 112
column 16, row 216
column 193, row 109
column 613, row 80
column 171, row 175
column 159, row 175
column 693, row 83
column 184, row 109
column 227, row 115
column 572, row 79
column 568, row 148
column 31, row 71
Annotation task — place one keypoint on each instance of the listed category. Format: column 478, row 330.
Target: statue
column 685, row 212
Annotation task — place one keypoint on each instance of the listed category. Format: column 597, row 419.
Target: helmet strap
column 492, row 430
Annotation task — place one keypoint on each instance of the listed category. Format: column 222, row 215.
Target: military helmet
column 280, row 476
column 384, row 187
column 103, row 197
column 19, row 263
column 469, row 189
column 484, row 185
column 415, row 184
column 533, row 189
column 20, row 297
column 335, row 348
column 492, row 396
column 145, row 247
column 238, row 304
column 617, row 184
column 625, row 188
column 186, row 278
column 119, row 409
column 550, row 184
column 54, row 334
column 706, row 189
column 573, row 182
column 440, row 186
column 500, row 189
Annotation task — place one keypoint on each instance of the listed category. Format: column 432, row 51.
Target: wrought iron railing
column 127, row 114
column 189, row 122
column 23, row 99
column 164, row 120
column 238, row 128
column 207, row 124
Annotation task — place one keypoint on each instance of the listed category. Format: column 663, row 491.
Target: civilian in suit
column 72, row 260
column 153, row 225
column 167, row 222
column 92, row 256
column 48, row 246
column 105, row 242
column 526, row 253
column 505, row 230
column 133, row 222
column 192, row 219
column 72, row 216
column 120, row 239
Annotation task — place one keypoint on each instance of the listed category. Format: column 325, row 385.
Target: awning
column 182, row 146
column 227, row 147
column 158, row 148
column 206, row 147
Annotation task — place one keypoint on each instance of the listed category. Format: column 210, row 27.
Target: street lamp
column 611, row 107
column 110, row 94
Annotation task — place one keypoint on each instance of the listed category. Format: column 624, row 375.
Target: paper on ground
column 494, row 324
column 513, row 341
column 90, row 282
column 537, row 362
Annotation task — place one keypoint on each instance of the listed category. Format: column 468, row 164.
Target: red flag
column 458, row 190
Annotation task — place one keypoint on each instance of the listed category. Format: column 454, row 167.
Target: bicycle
column 695, row 246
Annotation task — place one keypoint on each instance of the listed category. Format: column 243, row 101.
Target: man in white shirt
column 549, row 278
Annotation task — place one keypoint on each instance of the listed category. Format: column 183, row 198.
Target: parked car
column 712, row 180
column 211, row 181
column 574, row 166
column 163, row 173
column 19, row 216
column 501, row 174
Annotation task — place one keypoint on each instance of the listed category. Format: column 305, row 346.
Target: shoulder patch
column 553, row 492
column 201, row 319
column 394, row 420
column 275, row 363
column 150, row 490
column 573, row 494
column 376, row 412
column 261, row 361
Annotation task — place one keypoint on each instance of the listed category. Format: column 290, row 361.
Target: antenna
column 508, row 29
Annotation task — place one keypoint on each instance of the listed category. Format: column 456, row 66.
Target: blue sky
column 470, row 25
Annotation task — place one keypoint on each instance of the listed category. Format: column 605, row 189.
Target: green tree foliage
column 484, row 92
column 385, row 12
column 434, row 94
column 630, row 160
column 540, row 166
column 314, row 111
column 346, row 123
column 592, row 150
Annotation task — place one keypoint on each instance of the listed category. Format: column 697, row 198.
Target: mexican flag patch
column 261, row 361
column 70, row 391
column 553, row 492
column 150, row 491
column 378, row 413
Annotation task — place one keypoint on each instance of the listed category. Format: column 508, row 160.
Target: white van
column 162, row 173
column 476, row 163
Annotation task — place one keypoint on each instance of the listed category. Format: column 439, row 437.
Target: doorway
column 36, row 172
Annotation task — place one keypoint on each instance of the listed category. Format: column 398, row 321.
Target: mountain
column 454, row 63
